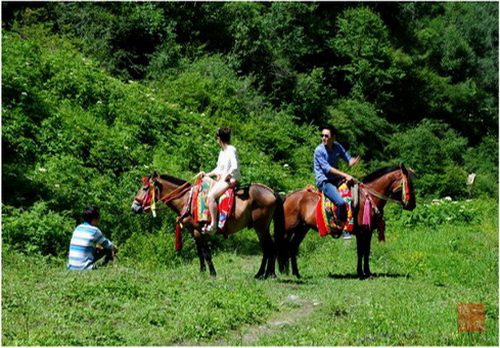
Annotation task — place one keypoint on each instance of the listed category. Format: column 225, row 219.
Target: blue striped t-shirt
column 82, row 246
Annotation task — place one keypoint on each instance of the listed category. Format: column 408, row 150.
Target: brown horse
column 254, row 206
column 385, row 184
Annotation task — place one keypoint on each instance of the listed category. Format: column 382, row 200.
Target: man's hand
column 349, row 178
column 354, row 161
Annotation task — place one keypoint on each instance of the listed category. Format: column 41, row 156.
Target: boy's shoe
column 346, row 235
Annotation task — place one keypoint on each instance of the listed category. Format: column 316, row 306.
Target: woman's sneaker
column 209, row 229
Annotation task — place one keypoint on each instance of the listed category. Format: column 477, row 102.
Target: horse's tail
column 280, row 240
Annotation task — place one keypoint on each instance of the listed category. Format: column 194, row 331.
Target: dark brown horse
column 385, row 184
column 254, row 206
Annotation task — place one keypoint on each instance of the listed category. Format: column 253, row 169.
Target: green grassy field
column 422, row 273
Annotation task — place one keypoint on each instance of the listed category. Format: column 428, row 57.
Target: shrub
column 38, row 229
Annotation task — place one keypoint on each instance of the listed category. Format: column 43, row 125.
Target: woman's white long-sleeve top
column 228, row 163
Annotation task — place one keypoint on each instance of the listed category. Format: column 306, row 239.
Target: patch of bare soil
column 248, row 335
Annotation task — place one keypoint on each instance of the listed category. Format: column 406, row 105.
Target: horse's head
column 148, row 194
column 407, row 191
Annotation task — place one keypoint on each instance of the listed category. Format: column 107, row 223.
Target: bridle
column 152, row 188
column 405, row 194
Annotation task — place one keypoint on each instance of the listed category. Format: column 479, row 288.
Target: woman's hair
column 90, row 213
column 224, row 134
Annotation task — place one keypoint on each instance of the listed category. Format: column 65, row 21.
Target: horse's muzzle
column 136, row 207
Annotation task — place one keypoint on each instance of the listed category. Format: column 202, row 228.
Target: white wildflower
column 43, row 170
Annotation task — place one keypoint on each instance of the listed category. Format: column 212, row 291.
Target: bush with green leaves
column 37, row 230
column 438, row 212
column 435, row 152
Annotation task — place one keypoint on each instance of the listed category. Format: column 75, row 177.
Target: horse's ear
column 156, row 175
column 403, row 168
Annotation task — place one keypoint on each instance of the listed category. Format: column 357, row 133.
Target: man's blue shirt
column 325, row 159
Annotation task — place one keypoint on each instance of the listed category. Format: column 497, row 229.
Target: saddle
column 326, row 214
column 199, row 207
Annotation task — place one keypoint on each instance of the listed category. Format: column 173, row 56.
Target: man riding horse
column 328, row 176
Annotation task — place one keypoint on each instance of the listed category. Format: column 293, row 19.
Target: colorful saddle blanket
column 326, row 214
column 199, row 205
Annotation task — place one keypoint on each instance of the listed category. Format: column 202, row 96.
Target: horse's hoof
column 272, row 276
column 259, row 276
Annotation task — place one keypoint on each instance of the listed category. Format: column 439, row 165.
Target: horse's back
column 300, row 207
column 254, row 203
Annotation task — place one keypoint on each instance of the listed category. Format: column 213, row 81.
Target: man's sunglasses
column 325, row 136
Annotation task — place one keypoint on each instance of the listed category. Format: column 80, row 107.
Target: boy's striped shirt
column 82, row 246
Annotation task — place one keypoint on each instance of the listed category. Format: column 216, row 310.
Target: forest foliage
column 97, row 95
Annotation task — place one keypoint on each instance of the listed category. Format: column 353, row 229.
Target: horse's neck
column 385, row 185
column 172, row 190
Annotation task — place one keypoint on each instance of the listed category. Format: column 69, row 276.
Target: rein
column 404, row 187
column 176, row 193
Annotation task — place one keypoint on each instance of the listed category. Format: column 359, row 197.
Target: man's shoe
column 346, row 235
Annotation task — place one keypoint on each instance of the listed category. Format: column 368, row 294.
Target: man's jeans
column 331, row 191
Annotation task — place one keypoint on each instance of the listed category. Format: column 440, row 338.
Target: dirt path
column 247, row 335
column 250, row 334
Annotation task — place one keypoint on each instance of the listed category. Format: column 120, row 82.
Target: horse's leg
column 297, row 237
column 207, row 255
column 366, row 256
column 360, row 249
column 271, row 257
column 201, row 256
column 268, row 258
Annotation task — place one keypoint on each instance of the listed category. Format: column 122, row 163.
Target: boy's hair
column 224, row 134
column 331, row 128
column 90, row 213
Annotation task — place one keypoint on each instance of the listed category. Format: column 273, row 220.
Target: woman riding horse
column 255, row 206
column 227, row 173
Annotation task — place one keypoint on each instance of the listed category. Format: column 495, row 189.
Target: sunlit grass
column 421, row 274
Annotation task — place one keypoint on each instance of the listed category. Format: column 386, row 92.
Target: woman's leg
column 217, row 190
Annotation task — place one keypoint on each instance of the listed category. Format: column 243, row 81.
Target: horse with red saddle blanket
column 253, row 206
column 301, row 214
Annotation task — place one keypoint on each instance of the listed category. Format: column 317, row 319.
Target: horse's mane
column 378, row 173
column 173, row 179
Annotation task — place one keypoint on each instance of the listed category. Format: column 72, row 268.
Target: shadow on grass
column 293, row 281
column 374, row 275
